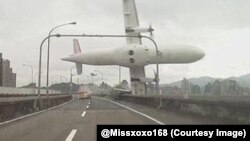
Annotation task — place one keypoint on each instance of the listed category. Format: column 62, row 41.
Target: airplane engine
column 134, row 55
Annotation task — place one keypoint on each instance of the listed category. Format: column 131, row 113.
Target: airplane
column 135, row 55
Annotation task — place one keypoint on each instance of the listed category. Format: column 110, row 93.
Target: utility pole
column 119, row 74
column 48, row 55
column 71, row 77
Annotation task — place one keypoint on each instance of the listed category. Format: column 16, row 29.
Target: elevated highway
column 77, row 120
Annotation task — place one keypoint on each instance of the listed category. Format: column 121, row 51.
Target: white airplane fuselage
column 138, row 55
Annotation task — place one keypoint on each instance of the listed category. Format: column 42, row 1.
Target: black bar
column 172, row 132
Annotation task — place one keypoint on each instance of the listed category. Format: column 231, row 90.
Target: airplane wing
column 131, row 20
column 122, row 90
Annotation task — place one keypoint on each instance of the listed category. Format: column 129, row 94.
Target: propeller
column 150, row 30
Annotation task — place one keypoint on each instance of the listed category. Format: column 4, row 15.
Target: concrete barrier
column 24, row 91
column 15, row 107
column 226, row 108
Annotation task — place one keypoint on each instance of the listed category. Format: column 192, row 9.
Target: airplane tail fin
column 77, row 50
column 76, row 46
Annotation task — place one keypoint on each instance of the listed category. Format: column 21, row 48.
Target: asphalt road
column 77, row 121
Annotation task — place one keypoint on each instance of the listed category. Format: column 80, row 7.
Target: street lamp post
column 35, row 78
column 48, row 55
column 32, row 83
column 40, row 70
column 119, row 74
column 102, row 80
column 100, row 73
column 71, row 77
column 92, row 75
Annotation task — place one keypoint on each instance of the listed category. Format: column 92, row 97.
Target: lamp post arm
column 100, row 73
column 40, row 63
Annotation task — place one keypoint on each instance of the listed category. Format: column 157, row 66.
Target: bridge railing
column 18, row 106
column 230, row 108
column 24, row 91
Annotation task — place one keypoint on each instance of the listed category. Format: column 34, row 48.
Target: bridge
column 69, row 118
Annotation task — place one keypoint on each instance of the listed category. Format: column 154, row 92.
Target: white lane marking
column 83, row 114
column 147, row 116
column 87, row 106
column 71, row 135
column 36, row 113
column 89, row 102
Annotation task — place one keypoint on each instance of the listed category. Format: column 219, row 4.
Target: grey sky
column 220, row 27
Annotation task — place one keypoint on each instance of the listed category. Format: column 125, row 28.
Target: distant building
column 13, row 80
column 6, row 73
column 208, row 88
column 171, row 90
column 185, row 86
column 226, row 87
column 7, row 77
column 245, row 91
column 216, row 87
column 230, row 87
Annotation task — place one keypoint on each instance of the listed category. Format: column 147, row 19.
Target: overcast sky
column 220, row 27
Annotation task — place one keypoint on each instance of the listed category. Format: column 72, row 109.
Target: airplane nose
column 196, row 52
column 200, row 53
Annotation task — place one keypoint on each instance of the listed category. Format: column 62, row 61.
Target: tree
column 195, row 89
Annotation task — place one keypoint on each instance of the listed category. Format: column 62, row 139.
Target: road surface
column 77, row 120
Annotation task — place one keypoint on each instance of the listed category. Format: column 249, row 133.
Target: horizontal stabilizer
column 146, row 80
